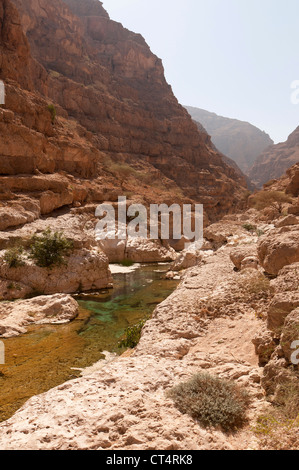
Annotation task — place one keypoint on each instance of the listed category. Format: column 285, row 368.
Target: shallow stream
column 47, row 356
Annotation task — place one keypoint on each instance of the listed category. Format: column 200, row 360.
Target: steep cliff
column 239, row 140
column 275, row 160
column 119, row 129
column 229, row 161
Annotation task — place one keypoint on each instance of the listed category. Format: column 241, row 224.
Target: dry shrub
column 212, row 401
column 264, row 199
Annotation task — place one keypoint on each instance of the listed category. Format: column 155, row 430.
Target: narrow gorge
column 99, row 335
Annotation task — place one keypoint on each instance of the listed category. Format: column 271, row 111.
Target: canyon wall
column 117, row 128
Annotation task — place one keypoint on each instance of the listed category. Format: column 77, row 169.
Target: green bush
column 50, row 249
column 132, row 335
column 250, row 227
column 52, row 110
column 13, row 257
column 212, row 401
column 253, row 229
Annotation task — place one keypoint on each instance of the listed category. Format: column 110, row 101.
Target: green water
column 133, row 298
column 47, row 356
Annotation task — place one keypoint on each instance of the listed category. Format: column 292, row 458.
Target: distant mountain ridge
column 227, row 160
column 276, row 160
column 238, row 140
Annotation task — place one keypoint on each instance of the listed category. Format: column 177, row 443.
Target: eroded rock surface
column 278, row 250
column 124, row 405
column 85, row 270
column 15, row 317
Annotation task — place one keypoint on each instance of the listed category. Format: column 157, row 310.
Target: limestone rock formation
column 207, row 324
column 124, row 404
column 189, row 258
column 290, row 334
column 84, row 270
column 15, row 317
column 240, row 254
column 137, row 250
column 148, row 251
column 89, row 115
column 277, row 250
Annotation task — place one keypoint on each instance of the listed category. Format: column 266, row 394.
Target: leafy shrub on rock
column 212, row 401
column 50, row 249
column 13, row 257
column 52, row 111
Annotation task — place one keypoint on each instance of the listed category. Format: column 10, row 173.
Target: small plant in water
column 127, row 262
column 132, row 335
column 212, row 401
column 50, row 249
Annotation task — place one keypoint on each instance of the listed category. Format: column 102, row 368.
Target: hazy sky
column 236, row 58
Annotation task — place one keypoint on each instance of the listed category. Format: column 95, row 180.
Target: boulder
column 287, row 279
column 84, row 270
column 280, row 307
column 220, row 232
column 274, row 374
column 277, row 250
column 148, row 251
column 113, row 249
column 12, row 217
column 16, row 316
column 187, row 259
column 286, row 221
column 264, row 346
column 290, row 334
column 250, row 262
column 239, row 254
column 50, row 201
column 294, row 208
column 13, row 290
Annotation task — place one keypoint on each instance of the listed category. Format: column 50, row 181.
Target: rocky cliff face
column 275, row 161
column 118, row 128
column 238, row 140
column 229, row 161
